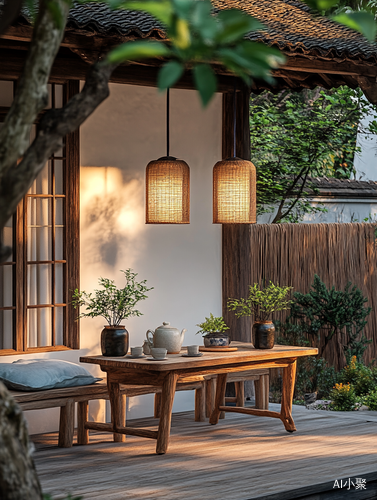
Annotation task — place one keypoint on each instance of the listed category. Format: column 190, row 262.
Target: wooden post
column 236, row 251
column 167, row 399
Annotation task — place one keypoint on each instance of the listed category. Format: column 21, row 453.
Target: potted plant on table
column 114, row 304
column 213, row 330
column 261, row 303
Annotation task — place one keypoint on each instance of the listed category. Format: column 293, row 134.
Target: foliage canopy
column 296, row 136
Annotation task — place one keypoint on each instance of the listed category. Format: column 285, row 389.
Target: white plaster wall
column 181, row 262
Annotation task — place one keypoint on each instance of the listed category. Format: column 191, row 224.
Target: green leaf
column 137, row 50
column 236, row 24
column 160, row 9
column 359, row 21
column 182, row 8
column 321, row 4
column 169, row 74
column 205, row 82
column 202, row 20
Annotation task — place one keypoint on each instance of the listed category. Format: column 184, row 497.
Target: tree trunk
column 18, row 477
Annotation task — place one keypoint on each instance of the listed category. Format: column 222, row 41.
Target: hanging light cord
column 167, row 123
column 234, row 120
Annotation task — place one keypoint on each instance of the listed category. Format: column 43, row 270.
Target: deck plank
column 241, row 458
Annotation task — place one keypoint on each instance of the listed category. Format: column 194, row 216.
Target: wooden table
column 166, row 374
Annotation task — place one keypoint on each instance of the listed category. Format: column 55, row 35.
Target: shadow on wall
column 112, row 215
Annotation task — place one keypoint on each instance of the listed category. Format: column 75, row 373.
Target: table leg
column 219, row 398
column 289, row 376
column 167, row 399
column 117, row 415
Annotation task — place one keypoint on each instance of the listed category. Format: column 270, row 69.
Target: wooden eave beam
column 305, row 65
column 66, row 68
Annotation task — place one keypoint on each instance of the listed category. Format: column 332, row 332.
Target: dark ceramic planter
column 216, row 339
column 114, row 341
column 264, row 335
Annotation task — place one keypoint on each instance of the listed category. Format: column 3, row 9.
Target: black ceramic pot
column 114, row 341
column 216, row 339
column 264, row 335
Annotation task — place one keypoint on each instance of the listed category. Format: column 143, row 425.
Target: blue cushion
column 41, row 374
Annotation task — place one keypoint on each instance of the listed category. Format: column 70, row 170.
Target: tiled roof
column 344, row 188
column 290, row 27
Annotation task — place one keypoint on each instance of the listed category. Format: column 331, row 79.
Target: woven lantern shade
column 167, row 191
column 234, row 192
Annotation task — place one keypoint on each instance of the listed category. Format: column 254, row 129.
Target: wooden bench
column 66, row 399
column 204, row 387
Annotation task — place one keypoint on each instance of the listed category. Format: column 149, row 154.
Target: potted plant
column 261, row 303
column 213, row 330
column 114, row 304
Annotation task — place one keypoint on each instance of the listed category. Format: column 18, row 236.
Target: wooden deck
column 241, row 458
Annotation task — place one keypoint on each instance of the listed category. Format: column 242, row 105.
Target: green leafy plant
column 261, row 302
column 340, row 314
column 112, row 303
column 212, row 325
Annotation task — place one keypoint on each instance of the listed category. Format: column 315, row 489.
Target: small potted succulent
column 213, row 330
column 261, row 303
column 114, row 304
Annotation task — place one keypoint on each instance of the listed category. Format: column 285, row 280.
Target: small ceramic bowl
column 159, row 352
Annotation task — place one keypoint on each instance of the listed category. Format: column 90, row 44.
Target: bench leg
column 66, row 426
column 240, row 393
column 200, row 404
column 262, row 392
column 157, row 405
column 121, row 438
column 82, row 418
column 210, row 396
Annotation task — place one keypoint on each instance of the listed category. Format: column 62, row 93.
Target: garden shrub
column 359, row 375
column 371, row 400
column 340, row 314
column 343, row 397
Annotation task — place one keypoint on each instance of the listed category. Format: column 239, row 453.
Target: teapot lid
column 166, row 326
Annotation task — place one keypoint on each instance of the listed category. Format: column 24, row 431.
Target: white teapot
column 166, row 336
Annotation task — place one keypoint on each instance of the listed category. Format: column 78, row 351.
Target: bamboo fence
column 290, row 254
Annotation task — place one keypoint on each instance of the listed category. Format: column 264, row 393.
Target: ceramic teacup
column 192, row 350
column 159, row 352
column 136, row 351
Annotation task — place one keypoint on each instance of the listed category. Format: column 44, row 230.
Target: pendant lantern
column 234, row 188
column 167, row 187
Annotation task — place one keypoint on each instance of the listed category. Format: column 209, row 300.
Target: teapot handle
column 150, row 340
